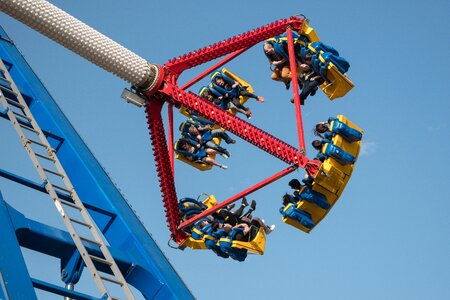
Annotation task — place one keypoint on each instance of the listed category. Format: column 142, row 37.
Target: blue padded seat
column 314, row 197
column 298, row 215
column 349, row 134
column 338, row 154
column 226, row 246
column 319, row 46
column 342, row 64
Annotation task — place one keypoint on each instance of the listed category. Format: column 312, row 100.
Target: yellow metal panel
column 256, row 246
column 346, row 121
column 339, row 84
column 330, row 177
column 309, row 32
column 210, row 201
column 296, row 224
column 332, row 198
column 194, row 244
column 315, row 211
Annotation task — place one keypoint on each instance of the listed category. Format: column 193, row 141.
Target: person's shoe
column 313, row 92
column 231, row 206
column 232, row 142
column 227, row 154
column 224, row 155
column 253, row 205
column 287, row 85
column 248, row 114
column 244, row 201
column 269, row 229
column 223, row 167
column 292, row 100
column 260, row 99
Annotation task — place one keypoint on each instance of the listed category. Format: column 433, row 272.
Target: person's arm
column 277, row 63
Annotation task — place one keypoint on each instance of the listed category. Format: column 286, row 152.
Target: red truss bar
column 241, row 128
column 244, row 40
column 236, row 197
column 170, row 134
column 164, row 168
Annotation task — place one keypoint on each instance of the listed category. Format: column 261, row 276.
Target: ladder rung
column 37, row 143
column 90, row 241
column 61, row 188
column 44, row 157
column 14, row 103
column 67, row 203
column 81, row 222
column 100, row 260
column 53, row 172
column 112, row 280
column 5, row 80
column 28, row 128
column 22, row 116
column 8, row 90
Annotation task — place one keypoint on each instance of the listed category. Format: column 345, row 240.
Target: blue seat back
column 338, row 154
column 349, row 134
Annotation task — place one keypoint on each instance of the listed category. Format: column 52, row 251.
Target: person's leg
column 223, row 135
column 246, row 93
column 211, row 161
column 212, row 145
column 237, row 103
column 276, row 74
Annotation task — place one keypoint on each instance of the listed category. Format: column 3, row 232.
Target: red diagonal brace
column 244, row 40
column 241, row 128
column 237, row 197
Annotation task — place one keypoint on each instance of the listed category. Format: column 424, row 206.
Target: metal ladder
column 24, row 122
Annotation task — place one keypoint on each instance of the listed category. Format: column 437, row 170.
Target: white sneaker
column 224, row 167
column 224, row 155
column 270, row 229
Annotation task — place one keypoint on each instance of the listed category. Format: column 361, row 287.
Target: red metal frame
column 170, row 134
column 294, row 84
column 169, row 91
column 216, row 66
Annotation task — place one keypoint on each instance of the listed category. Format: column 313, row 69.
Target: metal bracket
column 133, row 98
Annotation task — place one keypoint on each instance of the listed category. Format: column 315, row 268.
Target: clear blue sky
column 386, row 238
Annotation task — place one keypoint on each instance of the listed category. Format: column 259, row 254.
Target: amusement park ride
column 103, row 234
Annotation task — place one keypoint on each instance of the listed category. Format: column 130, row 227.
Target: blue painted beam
column 54, row 289
column 94, row 186
column 15, row 280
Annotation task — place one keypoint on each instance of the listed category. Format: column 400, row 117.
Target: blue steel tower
column 121, row 248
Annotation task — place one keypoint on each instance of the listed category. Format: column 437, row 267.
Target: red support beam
column 239, row 127
column 170, row 131
column 216, row 66
column 244, row 40
column 237, row 197
column 163, row 167
column 294, row 83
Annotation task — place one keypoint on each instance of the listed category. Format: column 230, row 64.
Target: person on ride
column 194, row 152
column 204, row 135
column 231, row 90
column 214, row 98
column 212, row 232
column 229, row 84
column 277, row 54
column 300, row 215
column 238, row 219
column 318, row 145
